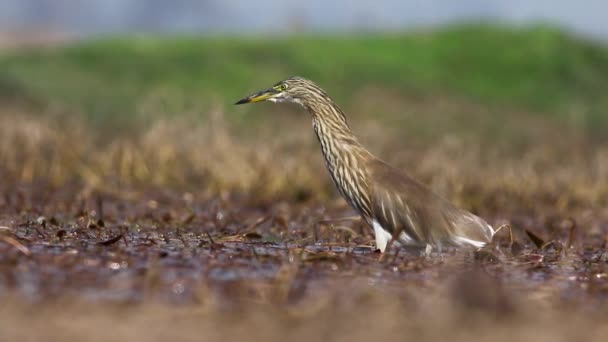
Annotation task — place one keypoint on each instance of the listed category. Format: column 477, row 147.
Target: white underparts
column 383, row 237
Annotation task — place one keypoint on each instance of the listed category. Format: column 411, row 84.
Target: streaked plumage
column 391, row 202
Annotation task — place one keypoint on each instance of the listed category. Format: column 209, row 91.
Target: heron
column 398, row 208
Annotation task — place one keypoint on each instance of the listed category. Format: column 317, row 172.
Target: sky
column 90, row 17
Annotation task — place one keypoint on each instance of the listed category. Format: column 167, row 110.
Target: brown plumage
column 394, row 204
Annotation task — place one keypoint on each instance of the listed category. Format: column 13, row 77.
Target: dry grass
column 168, row 153
column 280, row 161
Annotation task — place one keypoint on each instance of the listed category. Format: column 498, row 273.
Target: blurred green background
column 538, row 69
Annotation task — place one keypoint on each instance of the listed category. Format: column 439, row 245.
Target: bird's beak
column 257, row 97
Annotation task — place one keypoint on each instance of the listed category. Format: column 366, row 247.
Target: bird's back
column 400, row 204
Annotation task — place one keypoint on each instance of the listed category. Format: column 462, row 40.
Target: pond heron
column 398, row 208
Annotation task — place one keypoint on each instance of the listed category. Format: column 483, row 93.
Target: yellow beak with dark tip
column 257, row 97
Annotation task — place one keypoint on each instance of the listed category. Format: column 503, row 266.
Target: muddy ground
column 77, row 264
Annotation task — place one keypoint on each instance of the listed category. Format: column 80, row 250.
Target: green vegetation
column 537, row 68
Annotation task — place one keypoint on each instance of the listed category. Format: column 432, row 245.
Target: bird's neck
column 343, row 153
column 335, row 135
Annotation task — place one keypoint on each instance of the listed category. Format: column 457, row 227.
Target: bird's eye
column 283, row 86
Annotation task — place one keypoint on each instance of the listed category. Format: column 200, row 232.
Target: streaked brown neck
column 344, row 155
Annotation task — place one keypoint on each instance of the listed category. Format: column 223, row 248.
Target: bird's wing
column 468, row 228
column 402, row 204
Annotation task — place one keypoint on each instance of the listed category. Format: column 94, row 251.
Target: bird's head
column 294, row 89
